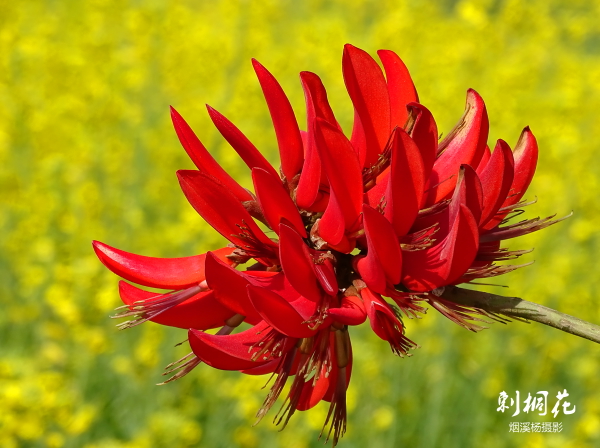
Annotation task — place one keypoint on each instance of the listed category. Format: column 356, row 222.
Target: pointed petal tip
column 175, row 115
column 257, row 65
column 183, row 174
column 101, row 249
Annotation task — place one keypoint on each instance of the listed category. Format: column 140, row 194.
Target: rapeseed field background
column 87, row 152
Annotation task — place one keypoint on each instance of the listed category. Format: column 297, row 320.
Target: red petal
column 317, row 105
column 374, row 196
column 275, row 202
column 326, row 276
column 345, row 179
column 525, row 157
column 466, row 244
column 525, row 160
column 296, row 263
column 358, row 139
column 468, row 191
column 284, row 122
column 425, row 134
column 311, row 393
column 383, row 247
column 202, row 311
column 271, row 366
column 405, row 191
column 369, row 93
column 335, row 372
column 264, row 369
column 166, row 273
column 279, row 313
column 465, row 144
column 277, row 283
column 487, row 154
column 440, row 265
column 373, row 303
column 351, row 312
column 471, row 190
column 230, row 288
column 401, row 89
column 227, row 352
column 238, row 141
column 331, row 225
column 496, row 180
column 202, row 158
column 220, row 208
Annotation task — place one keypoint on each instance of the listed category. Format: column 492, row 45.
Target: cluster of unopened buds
column 370, row 227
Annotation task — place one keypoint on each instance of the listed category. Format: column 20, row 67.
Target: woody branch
column 519, row 308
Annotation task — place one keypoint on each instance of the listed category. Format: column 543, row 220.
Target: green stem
column 519, row 308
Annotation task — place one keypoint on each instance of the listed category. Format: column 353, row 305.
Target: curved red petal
column 284, row 122
column 229, row 286
column 371, row 272
column 487, row 154
column 202, row 311
column 351, row 311
column 368, row 91
column 344, row 175
column 263, row 369
column 277, row 283
column 227, row 352
column 202, row 158
column 220, row 208
column 335, row 371
column 424, row 132
column 383, row 246
column 407, row 183
column 401, row 88
column 331, row 225
column 279, row 313
column 373, row 303
column 238, row 141
column 166, row 273
column 275, row 202
column 296, row 263
column 317, row 105
column 313, row 393
column 442, row 264
column 466, row 244
column 271, row 366
column 496, row 180
column 465, row 144
column 358, row 139
column 326, row 276
column 525, row 158
column 471, row 190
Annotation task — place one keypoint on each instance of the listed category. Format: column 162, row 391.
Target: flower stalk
column 516, row 307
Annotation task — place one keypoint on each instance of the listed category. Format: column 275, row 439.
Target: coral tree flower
column 369, row 227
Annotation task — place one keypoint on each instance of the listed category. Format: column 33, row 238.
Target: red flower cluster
column 388, row 212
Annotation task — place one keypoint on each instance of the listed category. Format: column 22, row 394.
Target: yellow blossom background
column 87, row 152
